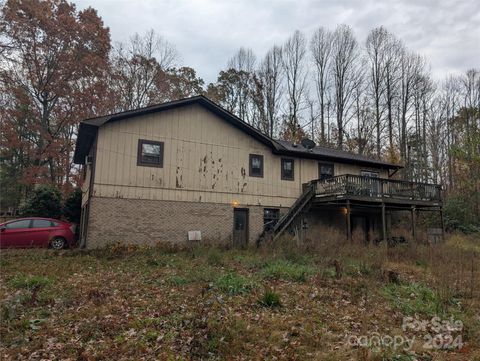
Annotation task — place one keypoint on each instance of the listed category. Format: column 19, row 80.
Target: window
column 371, row 185
column 288, row 172
column 367, row 173
column 41, row 223
column 325, row 171
column 256, row 165
column 270, row 218
column 25, row 223
column 150, row 153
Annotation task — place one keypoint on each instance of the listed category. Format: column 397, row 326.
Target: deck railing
column 369, row 187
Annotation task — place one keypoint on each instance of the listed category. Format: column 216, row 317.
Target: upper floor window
column 325, row 170
column 150, row 153
column 288, row 169
column 256, row 165
column 368, row 173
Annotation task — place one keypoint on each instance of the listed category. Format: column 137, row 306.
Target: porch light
column 235, row 203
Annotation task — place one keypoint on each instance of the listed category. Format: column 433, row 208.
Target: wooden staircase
column 301, row 205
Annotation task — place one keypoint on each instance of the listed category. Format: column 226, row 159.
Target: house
column 160, row 172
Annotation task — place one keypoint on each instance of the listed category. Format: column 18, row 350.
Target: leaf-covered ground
column 207, row 303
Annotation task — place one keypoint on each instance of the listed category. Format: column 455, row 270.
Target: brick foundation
column 138, row 221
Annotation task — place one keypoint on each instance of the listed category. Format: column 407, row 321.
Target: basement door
column 360, row 225
column 240, row 227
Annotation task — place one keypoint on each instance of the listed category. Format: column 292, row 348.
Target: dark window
column 367, row 173
column 288, row 169
column 270, row 218
column 256, row 165
column 41, row 223
column 325, row 171
column 18, row 224
column 150, row 153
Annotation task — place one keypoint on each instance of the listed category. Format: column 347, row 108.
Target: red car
column 37, row 232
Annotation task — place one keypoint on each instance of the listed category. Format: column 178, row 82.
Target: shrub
column 45, row 201
column 72, row 207
column 459, row 215
column 270, row 299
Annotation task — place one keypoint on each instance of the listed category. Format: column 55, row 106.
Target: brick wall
column 140, row 221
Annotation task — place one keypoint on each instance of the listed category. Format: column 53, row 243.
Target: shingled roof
column 88, row 130
column 320, row 152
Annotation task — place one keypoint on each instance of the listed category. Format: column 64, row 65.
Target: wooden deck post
column 384, row 223
column 349, row 227
column 414, row 223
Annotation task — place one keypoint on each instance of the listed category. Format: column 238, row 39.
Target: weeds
column 130, row 300
column 29, row 282
column 417, row 298
column 178, row 281
column 234, row 284
column 286, row 270
column 270, row 299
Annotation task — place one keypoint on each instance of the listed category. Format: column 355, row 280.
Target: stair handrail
column 300, row 203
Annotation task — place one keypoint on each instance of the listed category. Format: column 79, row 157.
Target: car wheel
column 58, row 243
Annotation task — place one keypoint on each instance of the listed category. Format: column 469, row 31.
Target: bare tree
column 270, row 76
column 391, row 81
column 450, row 99
column 411, row 66
column 294, row 58
column 243, row 62
column 139, row 67
column 376, row 47
column 152, row 45
column 321, row 47
column 364, row 119
column 344, row 73
column 423, row 91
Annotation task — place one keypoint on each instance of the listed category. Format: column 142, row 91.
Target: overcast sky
column 207, row 33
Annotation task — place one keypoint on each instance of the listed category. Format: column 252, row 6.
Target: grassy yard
column 324, row 301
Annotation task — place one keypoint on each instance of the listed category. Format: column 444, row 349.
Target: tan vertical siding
column 203, row 161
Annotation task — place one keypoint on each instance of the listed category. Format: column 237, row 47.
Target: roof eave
column 85, row 138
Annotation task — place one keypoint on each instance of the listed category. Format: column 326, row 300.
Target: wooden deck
column 368, row 189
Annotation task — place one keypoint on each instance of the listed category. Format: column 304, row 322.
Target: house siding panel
column 205, row 159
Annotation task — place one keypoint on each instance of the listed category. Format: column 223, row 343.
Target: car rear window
column 41, row 223
column 25, row 223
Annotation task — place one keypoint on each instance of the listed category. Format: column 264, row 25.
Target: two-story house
column 160, row 172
